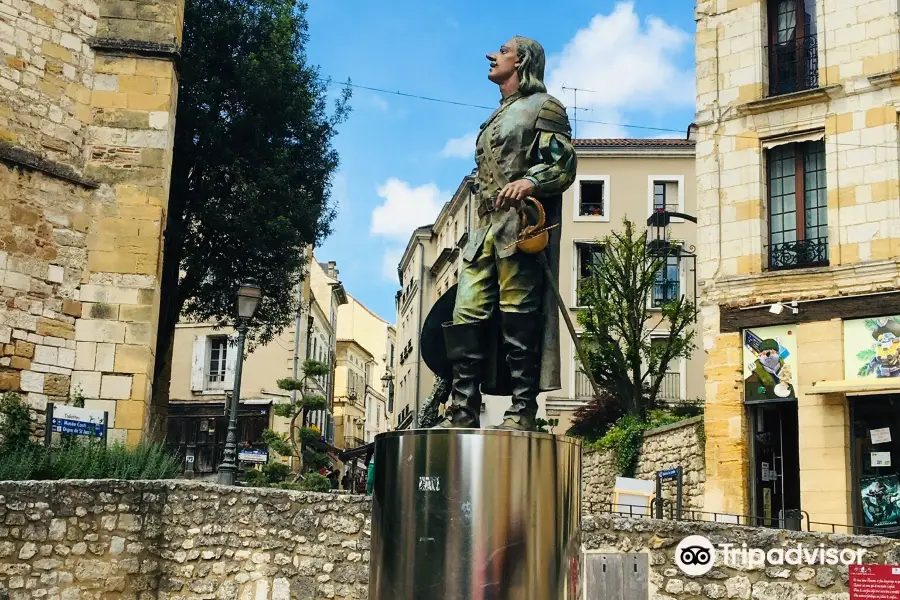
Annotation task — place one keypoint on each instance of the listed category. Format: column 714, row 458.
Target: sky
column 402, row 158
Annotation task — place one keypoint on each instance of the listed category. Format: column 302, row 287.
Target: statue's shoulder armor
column 552, row 115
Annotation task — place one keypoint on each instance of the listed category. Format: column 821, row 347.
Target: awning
column 886, row 385
column 793, row 138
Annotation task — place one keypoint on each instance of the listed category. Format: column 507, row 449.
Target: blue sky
column 401, row 158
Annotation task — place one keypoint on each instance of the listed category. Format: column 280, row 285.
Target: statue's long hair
column 531, row 66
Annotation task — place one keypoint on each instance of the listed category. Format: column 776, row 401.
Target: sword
column 551, row 280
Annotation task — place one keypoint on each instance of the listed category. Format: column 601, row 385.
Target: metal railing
column 791, row 519
column 670, row 389
column 590, row 209
column 812, row 252
column 351, row 441
column 794, row 66
column 665, row 292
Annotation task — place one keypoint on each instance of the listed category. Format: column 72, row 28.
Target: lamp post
column 248, row 298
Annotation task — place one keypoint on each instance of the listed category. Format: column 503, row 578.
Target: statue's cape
column 434, row 350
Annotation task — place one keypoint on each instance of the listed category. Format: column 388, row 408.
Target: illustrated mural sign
column 872, row 348
column 880, row 500
column 770, row 358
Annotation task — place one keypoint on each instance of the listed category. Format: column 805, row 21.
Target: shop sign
column 872, row 348
column 770, row 360
column 874, row 582
column 880, row 500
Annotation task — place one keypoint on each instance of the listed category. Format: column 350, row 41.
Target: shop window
column 798, row 208
column 875, row 448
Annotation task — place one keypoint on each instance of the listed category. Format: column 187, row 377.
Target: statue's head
column 523, row 59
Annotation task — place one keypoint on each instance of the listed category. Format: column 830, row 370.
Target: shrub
column 314, row 482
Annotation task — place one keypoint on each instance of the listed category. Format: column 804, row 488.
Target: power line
column 607, row 123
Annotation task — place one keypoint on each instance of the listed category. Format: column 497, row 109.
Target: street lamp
column 386, row 380
column 248, row 298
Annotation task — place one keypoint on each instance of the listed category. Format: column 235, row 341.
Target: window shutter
column 231, row 356
column 198, row 363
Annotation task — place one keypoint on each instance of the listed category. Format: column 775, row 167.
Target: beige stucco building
column 616, row 178
column 87, row 117
column 203, row 364
column 365, row 352
column 799, row 208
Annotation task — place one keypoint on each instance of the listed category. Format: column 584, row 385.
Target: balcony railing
column 665, row 292
column 351, row 441
column 670, row 389
column 811, row 252
column 794, row 66
column 590, row 209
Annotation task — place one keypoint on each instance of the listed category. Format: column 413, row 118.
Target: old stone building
column 799, row 214
column 87, row 116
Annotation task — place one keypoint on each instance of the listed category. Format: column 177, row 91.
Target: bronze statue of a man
column 524, row 149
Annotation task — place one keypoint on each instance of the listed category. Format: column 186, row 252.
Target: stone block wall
column 666, row 447
column 659, row 540
column 87, row 103
column 178, row 540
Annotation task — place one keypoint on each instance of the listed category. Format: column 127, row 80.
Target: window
column 587, row 257
column 666, row 288
column 793, row 46
column 592, row 198
column 665, row 196
column 798, row 211
column 217, row 364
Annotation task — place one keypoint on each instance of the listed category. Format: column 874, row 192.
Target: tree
column 252, row 168
column 618, row 322
column 301, row 439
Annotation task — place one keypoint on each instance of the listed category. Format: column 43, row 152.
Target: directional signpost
column 675, row 474
column 72, row 420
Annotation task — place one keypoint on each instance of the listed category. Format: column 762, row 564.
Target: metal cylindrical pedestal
column 473, row 514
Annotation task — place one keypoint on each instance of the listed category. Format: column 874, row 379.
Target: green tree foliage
column 617, row 322
column 301, row 440
column 252, row 169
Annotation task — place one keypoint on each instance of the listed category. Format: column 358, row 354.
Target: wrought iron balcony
column 590, row 209
column 794, row 66
column 811, row 252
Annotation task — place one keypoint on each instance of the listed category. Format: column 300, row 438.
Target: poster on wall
column 770, row 358
column 880, row 500
column 872, row 348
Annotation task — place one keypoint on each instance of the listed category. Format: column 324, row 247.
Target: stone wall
column 666, row 447
column 660, row 538
column 87, row 104
column 183, row 540
column 155, row 540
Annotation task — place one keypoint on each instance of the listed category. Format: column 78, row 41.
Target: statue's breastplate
column 508, row 135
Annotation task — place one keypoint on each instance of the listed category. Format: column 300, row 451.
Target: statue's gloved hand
column 513, row 194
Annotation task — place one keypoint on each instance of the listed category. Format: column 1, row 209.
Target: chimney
column 692, row 132
column 332, row 269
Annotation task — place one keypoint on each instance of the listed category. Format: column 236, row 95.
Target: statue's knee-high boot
column 466, row 350
column 522, row 343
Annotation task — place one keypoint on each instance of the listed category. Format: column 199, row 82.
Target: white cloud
column 405, row 208
column 629, row 65
column 389, row 263
column 461, row 147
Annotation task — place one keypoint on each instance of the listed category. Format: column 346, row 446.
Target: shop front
column 769, row 395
